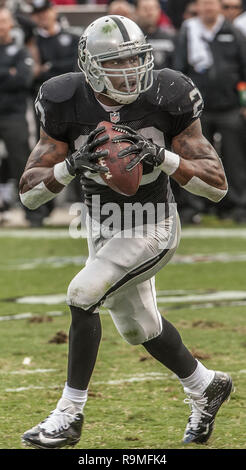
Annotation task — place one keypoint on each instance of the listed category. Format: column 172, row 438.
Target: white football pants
column 119, row 274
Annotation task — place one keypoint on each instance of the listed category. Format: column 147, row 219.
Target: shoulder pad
column 62, row 87
column 175, row 92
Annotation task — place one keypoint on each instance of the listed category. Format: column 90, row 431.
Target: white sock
column 78, row 397
column 199, row 380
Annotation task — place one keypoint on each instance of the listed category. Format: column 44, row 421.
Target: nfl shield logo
column 115, row 117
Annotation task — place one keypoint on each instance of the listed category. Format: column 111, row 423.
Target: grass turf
column 134, row 402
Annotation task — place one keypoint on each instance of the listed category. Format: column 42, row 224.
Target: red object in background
column 241, row 88
column 164, row 21
column 65, row 2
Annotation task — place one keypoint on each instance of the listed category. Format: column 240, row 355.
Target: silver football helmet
column 116, row 37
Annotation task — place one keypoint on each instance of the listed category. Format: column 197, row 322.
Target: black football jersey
column 68, row 111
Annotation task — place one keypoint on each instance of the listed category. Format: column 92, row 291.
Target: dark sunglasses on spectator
column 236, row 7
column 191, row 13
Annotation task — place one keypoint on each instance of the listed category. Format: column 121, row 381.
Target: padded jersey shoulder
column 175, row 93
column 55, row 104
column 61, row 88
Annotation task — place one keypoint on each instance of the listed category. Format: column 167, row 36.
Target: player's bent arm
column 46, row 173
column 195, row 164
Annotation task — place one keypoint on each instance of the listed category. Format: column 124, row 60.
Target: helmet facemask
column 99, row 77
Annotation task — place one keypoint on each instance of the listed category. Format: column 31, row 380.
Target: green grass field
column 134, row 402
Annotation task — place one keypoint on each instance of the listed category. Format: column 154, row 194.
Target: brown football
column 118, row 178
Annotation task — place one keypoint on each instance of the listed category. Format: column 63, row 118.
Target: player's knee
column 80, row 295
column 133, row 336
column 135, row 333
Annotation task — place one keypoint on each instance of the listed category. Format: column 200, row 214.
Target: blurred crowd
column 205, row 39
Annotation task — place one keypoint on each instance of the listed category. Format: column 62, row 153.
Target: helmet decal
column 121, row 27
column 115, row 38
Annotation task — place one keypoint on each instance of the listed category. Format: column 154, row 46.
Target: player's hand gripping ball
column 118, row 177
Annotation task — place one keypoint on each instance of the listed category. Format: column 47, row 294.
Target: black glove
column 86, row 157
column 142, row 147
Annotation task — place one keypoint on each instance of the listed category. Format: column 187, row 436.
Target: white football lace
column 197, row 410
column 57, row 421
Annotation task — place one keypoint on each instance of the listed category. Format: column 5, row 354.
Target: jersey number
column 196, row 96
column 40, row 111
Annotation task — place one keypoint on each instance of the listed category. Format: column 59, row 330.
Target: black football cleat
column 205, row 407
column 62, row 428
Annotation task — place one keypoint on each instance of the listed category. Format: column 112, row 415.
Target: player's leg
column 139, row 322
column 118, row 264
column 113, row 263
column 206, row 389
column 64, row 425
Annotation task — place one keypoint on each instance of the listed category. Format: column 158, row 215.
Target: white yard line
column 194, row 299
column 60, row 261
column 23, row 316
column 137, row 378
column 212, row 296
column 30, row 387
column 29, row 371
column 208, row 258
column 43, row 299
column 53, row 261
column 64, row 233
column 162, row 297
column 213, row 233
column 53, row 234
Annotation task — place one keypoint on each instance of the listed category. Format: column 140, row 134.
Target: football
column 118, row 178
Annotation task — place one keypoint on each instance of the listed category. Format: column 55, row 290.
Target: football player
column 158, row 114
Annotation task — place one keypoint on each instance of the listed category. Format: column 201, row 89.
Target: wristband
column 171, row 163
column 200, row 188
column 61, row 173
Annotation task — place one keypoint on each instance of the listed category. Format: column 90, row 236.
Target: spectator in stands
column 23, row 27
column 57, row 47
column 240, row 23
column 164, row 20
column 56, row 54
column 212, row 52
column 175, row 10
column 148, row 13
column 16, row 75
column 190, row 10
column 122, row 7
column 231, row 9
